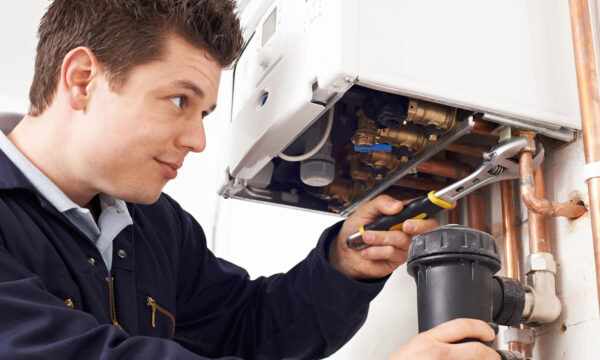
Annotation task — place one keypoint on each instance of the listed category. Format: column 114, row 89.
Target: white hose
column 316, row 149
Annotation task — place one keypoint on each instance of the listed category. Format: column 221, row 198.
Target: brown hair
column 126, row 33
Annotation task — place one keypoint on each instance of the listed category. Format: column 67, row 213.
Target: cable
column 316, row 149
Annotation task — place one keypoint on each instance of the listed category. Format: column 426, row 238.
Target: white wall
column 18, row 27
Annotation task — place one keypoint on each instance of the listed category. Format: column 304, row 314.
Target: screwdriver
column 421, row 208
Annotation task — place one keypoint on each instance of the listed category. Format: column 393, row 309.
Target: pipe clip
column 591, row 170
column 524, row 336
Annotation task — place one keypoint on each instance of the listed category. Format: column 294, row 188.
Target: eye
column 179, row 101
column 205, row 114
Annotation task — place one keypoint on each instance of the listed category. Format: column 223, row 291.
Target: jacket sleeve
column 35, row 324
column 307, row 313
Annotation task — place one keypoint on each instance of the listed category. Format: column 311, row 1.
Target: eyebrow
column 189, row 85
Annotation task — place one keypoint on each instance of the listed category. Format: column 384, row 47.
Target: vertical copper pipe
column 476, row 211
column 510, row 241
column 589, row 105
column 510, row 233
column 454, row 216
column 538, row 225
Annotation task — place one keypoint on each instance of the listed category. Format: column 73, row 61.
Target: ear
column 80, row 67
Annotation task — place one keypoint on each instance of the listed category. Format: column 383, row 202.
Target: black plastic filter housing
column 453, row 267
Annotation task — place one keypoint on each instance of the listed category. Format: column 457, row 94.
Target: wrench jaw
column 497, row 166
column 509, row 168
column 538, row 158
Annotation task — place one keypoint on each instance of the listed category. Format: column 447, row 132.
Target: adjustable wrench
column 497, row 165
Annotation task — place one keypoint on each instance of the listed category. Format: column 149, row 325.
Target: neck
column 43, row 141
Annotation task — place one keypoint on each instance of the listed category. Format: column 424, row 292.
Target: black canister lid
column 453, row 239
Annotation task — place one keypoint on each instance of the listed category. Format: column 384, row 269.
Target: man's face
column 136, row 138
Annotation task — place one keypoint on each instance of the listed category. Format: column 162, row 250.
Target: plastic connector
column 542, row 306
column 510, row 301
column 523, row 336
column 374, row 147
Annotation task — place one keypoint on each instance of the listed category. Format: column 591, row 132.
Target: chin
column 145, row 198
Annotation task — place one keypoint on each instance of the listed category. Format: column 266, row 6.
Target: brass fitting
column 356, row 170
column 411, row 138
column 359, row 173
column 344, row 191
column 431, row 114
column 366, row 133
column 382, row 160
column 530, row 137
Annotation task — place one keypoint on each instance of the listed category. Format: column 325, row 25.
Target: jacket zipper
column 70, row 303
column 113, row 305
column 154, row 305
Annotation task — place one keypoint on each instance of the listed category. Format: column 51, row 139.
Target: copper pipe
column 542, row 206
column 446, row 168
column 511, row 255
column 420, row 184
column 510, row 233
column 476, row 211
column 454, row 216
column 515, row 346
column 467, row 149
column 589, row 106
column 538, row 227
column 483, row 127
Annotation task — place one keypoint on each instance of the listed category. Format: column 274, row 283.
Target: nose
column 192, row 137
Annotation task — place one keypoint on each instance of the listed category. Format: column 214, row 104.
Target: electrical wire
column 316, row 149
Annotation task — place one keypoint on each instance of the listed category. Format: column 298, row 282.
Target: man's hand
column 388, row 250
column 437, row 343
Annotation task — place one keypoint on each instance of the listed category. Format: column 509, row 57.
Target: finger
column 376, row 253
column 471, row 351
column 397, row 239
column 385, row 253
column 459, row 329
column 416, row 227
column 383, row 204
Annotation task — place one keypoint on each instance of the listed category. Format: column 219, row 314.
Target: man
column 95, row 262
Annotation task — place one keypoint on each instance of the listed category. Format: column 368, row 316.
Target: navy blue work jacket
column 168, row 296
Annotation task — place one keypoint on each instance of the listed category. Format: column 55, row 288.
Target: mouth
column 169, row 169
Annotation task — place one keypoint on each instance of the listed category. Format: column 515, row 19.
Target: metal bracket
column 556, row 132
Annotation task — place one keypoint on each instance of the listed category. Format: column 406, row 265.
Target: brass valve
column 414, row 140
column 341, row 191
column 435, row 117
column 381, row 163
column 366, row 133
column 359, row 173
